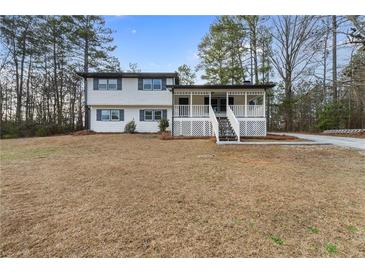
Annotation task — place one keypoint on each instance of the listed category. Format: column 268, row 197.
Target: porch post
column 245, row 103
column 191, row 104
column 227, row 101
column 264, row 103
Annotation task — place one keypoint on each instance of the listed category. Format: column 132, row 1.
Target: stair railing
column 214, row 122
column 234, row 122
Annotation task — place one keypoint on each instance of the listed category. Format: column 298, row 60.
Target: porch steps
column 226, row 132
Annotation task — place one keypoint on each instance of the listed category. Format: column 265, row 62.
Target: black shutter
column 164, row 113
column 98, row 115
column 96, row 87
column 163, row 83
column 121, row 115
column 119, row 84
column 206, row 100
column 230, row 100
column 140, row 84
column 141, row 114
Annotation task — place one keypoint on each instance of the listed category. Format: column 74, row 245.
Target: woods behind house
column 318, row 63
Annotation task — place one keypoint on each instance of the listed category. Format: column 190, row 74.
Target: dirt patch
column 122, row 195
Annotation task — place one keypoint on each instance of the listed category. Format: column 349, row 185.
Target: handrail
column 214, row 122
column 234, row 122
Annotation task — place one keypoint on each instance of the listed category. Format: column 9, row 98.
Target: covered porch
column 195, row 104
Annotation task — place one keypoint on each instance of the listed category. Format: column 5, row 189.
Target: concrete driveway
column 356, row 143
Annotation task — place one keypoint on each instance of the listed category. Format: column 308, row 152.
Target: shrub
column 163, row 124
column 130, row 127
column 41, row 132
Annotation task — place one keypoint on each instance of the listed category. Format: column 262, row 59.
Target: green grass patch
column 331, row 248
column 352, row 229
column 277, row 240
column 313, row 229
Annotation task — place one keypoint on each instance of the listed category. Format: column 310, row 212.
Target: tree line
column 317, row 62
column 40, row 91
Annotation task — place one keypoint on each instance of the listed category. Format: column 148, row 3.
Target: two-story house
column 224, row 111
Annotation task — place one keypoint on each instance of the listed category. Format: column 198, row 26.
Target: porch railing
column 214, row 122
column 203, row 110
column 234, row 122
column 248, row 110
column 196, row 111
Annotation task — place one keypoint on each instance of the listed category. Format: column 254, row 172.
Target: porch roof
column 209, row 87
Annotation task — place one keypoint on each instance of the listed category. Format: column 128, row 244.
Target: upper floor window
column 147, row 84
column 152, row 84
column 107, row 84
column 157, row 84
column 102, row 84
column 112, row 84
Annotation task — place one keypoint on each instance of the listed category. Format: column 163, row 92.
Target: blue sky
column 158, row 43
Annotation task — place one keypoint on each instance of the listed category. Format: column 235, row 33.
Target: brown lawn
column 139, row 196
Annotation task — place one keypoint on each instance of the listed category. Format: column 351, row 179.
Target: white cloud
column 133, row 31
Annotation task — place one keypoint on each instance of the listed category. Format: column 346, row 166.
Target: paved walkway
column 356, row 143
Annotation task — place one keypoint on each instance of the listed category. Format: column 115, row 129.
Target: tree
column 296, row 40
column 221, row 52
column 93, row 39
column 186, row 75
column 39, row 58
column 133, row 67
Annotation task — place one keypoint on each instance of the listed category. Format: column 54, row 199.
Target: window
column 112, row 84
column 105, row 114
column 114, row 114
column 157, row 115
column 102, row 84
column 157, row 84
column 151, row 115
column 147, row 84
column 148, row 115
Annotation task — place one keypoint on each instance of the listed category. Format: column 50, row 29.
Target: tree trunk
column 334, row 58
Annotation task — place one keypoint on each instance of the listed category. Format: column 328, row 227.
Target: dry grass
column 139, row 196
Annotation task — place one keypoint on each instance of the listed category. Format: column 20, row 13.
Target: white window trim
column 101, row 118
column 153, row 115
column 116, row 84
column 151, row 84
column 110, row 115
column 107, row 84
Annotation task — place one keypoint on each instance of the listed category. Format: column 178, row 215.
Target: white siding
column 129, row 95
column 130, row 113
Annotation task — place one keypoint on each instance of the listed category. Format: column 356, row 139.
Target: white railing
column 214, row 122
column 203, row 110
column 234, row 122
column 255, row 111
column 200, row 111
column 182, row 111
column 238, row 110
column 248, row 110
column 195, row 111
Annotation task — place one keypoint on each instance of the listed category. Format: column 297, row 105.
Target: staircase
column 226, row 132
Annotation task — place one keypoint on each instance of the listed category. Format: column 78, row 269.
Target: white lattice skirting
column 252, row 127
column 193, row 128
column 203, row 127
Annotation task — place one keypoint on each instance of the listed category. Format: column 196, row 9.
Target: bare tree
column 296, row 44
